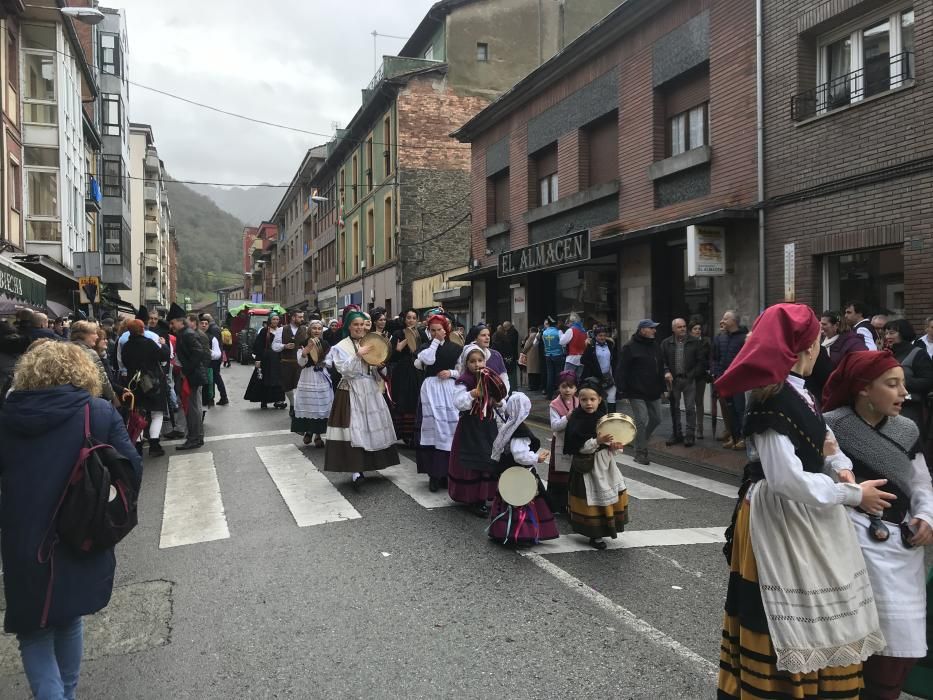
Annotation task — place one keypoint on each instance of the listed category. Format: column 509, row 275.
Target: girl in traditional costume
column 314, row 395
column 598, row 499
column 406, row 378
column 480, row 335
column 437, row 416
column 863, row 399
column 473, row 473
column 558, row 475
column 359, row 434
column 516, row 445
column 265, row 386
column 800, row 615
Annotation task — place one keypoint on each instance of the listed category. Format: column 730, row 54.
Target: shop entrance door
column 675, row 295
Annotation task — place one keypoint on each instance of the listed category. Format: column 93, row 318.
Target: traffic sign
column 89, row 288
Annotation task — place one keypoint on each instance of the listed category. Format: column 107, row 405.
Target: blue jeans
column 736, row 404
column 554, row 364
column 647, row 415
column 52, row 660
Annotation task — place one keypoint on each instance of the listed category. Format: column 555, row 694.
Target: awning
column 475, row 274
column 20, row 288
column 233, row 311
column 57, row 310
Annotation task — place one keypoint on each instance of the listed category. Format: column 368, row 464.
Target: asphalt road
column 378, row 595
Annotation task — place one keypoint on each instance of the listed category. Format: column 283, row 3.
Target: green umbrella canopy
column 275, row 308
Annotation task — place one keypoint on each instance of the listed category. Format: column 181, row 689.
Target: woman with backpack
column 143, row 360
column 42, row 430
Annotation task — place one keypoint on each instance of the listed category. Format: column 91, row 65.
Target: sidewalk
column 707, row 453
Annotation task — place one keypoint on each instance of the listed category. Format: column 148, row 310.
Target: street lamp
column 85, row 15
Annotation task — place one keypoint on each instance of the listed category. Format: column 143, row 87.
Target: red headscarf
column 442, row 320
column 856, row 371
column 778, row 336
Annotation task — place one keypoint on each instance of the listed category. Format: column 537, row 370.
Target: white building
column 151, row 221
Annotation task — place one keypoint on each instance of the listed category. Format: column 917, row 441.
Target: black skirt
column 258, row 391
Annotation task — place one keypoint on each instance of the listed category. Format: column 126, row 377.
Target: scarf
column 558, row 405
column 854, row 372
column 886, row 448
column 581, row 426
column 517, row 409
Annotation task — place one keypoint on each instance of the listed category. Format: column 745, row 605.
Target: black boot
column 155, row 449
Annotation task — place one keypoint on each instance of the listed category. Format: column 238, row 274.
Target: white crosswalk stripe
column 309, row 495
column 699, row 482
column 407, row 478
column 193, row 510
column 634, row 539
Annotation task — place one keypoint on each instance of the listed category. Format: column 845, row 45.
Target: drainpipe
column 760, row 145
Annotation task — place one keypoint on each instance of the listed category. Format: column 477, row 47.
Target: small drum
column 412, row 338
column 314, row 351
column 620, row 426
column 518, row 486
column 380, row 348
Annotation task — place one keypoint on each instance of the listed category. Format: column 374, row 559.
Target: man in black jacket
column 640, row 378
column 683, row 361
column 194, row 365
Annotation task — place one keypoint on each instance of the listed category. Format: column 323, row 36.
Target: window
column 343, row 184
column 12, row 60
column 15, row 195
column 355, row 173
column 112, row 179
column 110, row 114
column 39, row 96
column 42, row 201
column 874, row 276
column 499, row 186
column 602, row 142
column 356, row 246
column 688, row 130
column 388, row 227
column 113, row 240
column 877, row 56
column 110, row 54
column 429, row 54
column 369, row 164
column 546, row 172
column 41, row 156
column 386, row 141
column 370, row 238
column 482, row 52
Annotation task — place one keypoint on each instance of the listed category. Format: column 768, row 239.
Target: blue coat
column 41, row 433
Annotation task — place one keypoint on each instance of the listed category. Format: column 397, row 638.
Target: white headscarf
column 461, row 363
column 517, row 409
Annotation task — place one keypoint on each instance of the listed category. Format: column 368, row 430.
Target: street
column 252, row 574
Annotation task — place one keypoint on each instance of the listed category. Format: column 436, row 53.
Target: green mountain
column 251, row 204
column 210, row 247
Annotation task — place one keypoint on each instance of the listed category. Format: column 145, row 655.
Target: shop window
column 545, row 169
column 854, row 63
column 602, row 143
column 874, row 276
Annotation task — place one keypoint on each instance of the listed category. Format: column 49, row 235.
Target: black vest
column 788, row 414
column 446, row 358
column 522, row 431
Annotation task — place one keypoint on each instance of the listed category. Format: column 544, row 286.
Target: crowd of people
column 826, row 594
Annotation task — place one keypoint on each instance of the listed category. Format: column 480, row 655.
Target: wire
column 438, row 235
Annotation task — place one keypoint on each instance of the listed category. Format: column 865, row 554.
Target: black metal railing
column 877, row 76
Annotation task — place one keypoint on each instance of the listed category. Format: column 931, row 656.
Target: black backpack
column 98, row 506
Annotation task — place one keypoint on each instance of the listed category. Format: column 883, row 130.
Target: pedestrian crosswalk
column 193, row 508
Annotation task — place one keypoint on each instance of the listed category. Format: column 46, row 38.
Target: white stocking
column 155, row 424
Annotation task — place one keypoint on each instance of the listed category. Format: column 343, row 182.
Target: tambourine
column 491, row 385
column 517, row 486
column 620, row 426
column 380, row 349
column 314, row 350
column 412, row 338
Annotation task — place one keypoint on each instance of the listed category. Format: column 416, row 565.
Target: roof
column 426, row 28
column 598, row 38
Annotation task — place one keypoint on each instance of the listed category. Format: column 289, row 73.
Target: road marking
column 635, row 539
column 193, row 510
column 699, row 482
column 309, row 495
column 625, row 616
column 235, row 436
column 406, row 477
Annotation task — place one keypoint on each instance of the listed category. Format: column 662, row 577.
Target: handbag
column 523, row 359
column 142, row 381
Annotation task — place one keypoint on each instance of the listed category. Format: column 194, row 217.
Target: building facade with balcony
column 293, row 216
column 11, row 140
column 151, row 220
column 54, row 79
column 849, row 154
column 262, row 281
column 618, row 180
column 397, row 185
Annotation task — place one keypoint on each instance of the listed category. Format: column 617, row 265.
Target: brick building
column 849, row 153
column 593, row 173
column 396, row 186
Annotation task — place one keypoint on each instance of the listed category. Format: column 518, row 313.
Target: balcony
column 152, row 160
column 875, row 78
column 152, row 228
column 92, row 195
column 153, row 295
column 150, row 195
column 394, row 66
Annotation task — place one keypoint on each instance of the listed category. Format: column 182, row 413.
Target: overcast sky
column 295, row 62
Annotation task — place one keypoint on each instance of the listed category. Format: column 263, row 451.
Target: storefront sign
column 564, row 250
column 21, row 284
column 790, row 269
column 706, row 251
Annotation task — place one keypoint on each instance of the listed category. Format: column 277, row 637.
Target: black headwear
column 175, row 311
column 142, row 314
column 475, row 331
column 581, row 426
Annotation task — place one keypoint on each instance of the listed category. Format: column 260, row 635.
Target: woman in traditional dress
column 517, row 446
column 473, row 473
column 481, row 335
column 314, row 395
column 863, row 400
column 405, row 378
column 558, row 475
column 800, row 615
column 143, row 360
column 359, row 434
column 437, row 417
column 265, row 386
column 598, row 499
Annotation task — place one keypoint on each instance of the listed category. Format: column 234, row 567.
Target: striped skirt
column 594, row 521
column 747, row 663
